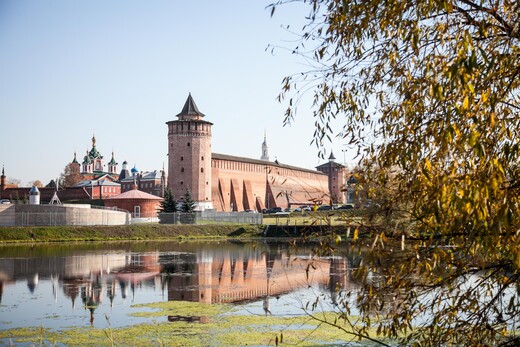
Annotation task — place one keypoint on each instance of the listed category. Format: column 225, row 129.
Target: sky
column 121, row 69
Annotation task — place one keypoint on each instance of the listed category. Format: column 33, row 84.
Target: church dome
column 112, row 161
column 86, row 159
column 34, row 191
column 94, row 153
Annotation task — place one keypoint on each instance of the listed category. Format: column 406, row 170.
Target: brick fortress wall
column 241, row 183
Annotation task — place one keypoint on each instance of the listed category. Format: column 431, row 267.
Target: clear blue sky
column 120, row 69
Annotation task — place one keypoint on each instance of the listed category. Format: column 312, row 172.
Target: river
column 60, row 286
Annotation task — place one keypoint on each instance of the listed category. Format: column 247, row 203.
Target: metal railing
column 55, row 218
column 209, row 217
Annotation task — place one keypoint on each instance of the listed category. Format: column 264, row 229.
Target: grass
column 126, row 232
column 155, row 231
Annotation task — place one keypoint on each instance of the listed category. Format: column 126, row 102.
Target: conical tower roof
column 190, row 109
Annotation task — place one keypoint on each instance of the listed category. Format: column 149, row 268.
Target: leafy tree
column 71, row 175
column 36, row 183
column 429, row 93
column 188, row 205
column 13, row 181
column 168, row 205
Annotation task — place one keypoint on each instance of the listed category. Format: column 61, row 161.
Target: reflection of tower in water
column 269, row 261
column 91, row 296
column 338, row 277
column 32, row 282
column 111, row 292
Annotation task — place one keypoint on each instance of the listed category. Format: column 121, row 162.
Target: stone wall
column 246, row 184
column 51, row 215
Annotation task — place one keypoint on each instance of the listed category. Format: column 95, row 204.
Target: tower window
column 182, row 169
column 182, row 158
column 201, row 169
column 182, row 182
column 202, row 158
column 188, row 144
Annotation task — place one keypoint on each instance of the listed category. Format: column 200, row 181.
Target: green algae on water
column 220, row 327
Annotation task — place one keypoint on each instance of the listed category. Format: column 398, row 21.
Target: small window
column 182, row 158
column 182, row 169
column 137, row 211
column 171, row 144
column 188, row 144
column 182, row 182
column 202, row 158
column 201, row 169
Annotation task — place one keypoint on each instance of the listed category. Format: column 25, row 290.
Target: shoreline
column 137, row 232
column 155, row 231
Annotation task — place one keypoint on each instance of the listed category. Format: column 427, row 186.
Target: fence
column 48, row 215
column 209, row 217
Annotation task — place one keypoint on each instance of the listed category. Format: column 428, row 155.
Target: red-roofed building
column 138, row 203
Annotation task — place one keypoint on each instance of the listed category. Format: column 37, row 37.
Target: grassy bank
column 126, row 232
column 293, row 225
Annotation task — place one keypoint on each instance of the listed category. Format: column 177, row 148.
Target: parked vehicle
column 306, row 208
column 273, row 210
column 288, row 209
column 345, row 207
column 325, row 208
column 297, row 209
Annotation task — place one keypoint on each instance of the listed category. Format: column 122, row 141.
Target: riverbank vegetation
column 126, row 232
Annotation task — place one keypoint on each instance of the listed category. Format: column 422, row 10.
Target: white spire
column 265, row 154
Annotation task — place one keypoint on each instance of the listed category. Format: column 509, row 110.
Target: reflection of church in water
column 207, row 277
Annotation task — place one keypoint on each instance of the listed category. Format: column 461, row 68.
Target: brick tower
column 337, row 179
column 189, row 156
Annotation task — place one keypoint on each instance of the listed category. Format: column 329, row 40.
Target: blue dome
column 134, row 170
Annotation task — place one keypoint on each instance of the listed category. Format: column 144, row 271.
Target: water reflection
column 105, row 277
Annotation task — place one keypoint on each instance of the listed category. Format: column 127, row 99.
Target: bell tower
column 265, row 149
column 189, row 156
